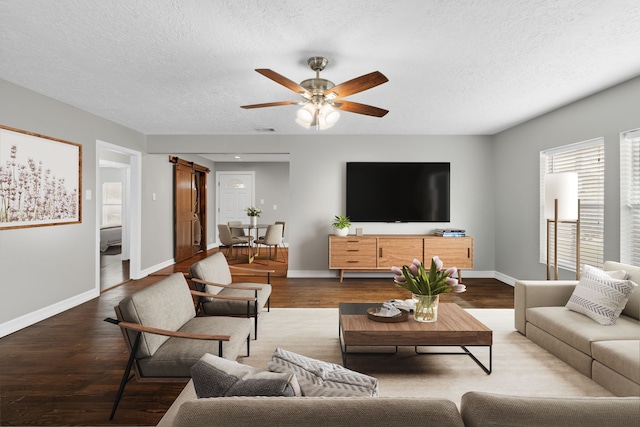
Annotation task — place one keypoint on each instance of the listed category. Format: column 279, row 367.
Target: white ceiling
column 186, row 66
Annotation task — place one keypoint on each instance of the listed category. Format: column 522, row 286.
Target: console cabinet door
column 399, row 251
column 453, row 251
column 351, row 252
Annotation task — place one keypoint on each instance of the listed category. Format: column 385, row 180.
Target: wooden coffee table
column 454, row 327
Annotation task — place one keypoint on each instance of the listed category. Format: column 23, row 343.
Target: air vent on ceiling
column 264, row 129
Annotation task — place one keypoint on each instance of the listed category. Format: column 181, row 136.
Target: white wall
column 516, row 153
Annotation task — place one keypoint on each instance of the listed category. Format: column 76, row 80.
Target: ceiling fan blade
column 279, row 78
column 271, row 104
column 355, row 107
column 357, row 85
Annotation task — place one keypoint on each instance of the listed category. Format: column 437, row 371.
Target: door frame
column 218, row 192
column 134, row 184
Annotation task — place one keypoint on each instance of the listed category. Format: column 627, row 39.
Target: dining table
column 251, row 246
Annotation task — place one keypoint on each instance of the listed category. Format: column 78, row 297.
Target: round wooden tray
column 401, row 317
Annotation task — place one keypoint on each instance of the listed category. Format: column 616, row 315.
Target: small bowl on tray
column 372, row 313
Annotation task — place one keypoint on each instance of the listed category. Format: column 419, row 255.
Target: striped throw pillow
column 600, row 296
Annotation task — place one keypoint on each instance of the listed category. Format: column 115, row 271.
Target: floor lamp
column 561, row 205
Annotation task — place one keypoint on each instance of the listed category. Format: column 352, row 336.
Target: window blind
column 587, row 159
column 630, row 198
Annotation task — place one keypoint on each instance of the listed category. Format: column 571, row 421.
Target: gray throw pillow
column 261, row 387
column 209, row 381
column 214, row 376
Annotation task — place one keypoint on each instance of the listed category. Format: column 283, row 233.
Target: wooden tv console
column 379, row 252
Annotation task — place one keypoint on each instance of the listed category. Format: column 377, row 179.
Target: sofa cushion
column 600, row 296
column 632, row 309
column 318, row 378
column 214, row 376
column 620, row 356
column 313, row 411
column 487, row 409
column 579, row 331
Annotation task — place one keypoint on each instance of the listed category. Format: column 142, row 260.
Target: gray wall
column 494, row 189
column 272, row 186
column 46, row 269
column 317, row 184
column 516, row 153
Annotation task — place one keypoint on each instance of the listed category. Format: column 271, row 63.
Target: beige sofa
column 610, row 355
column 476, row 409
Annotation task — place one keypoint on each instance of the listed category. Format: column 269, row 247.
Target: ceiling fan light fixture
column 322, row 98
column 306, row 114
column 329, row 115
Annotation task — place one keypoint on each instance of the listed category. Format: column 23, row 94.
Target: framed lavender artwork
column 40, row 180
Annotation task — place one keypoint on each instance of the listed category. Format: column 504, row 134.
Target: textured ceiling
column 186, row 66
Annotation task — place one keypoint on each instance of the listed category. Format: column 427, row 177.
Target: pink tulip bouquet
column 417, row 280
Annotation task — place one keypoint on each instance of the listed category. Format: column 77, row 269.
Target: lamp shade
column 564, row 187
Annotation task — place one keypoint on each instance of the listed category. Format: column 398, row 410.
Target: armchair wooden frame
column 250, row 313
column 132, row 362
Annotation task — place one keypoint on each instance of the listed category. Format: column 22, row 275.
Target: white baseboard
column 157, row 267
column 310, row 274
column 29, row 319
column 506, row 279
column 323, row 274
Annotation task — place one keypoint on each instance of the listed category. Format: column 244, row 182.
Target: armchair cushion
column 600, row 296
column 318, row 378
column 165, row 305
column 226, row 307
column 213, row 268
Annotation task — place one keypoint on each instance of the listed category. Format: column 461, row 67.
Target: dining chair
column 284, row 253
column 273, row 237
column 224, row 233
column 239, row 232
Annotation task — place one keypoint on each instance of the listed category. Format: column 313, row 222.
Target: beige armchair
column 212, row 276
column 165, row 338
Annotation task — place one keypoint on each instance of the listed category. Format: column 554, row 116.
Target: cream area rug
column 520, row 367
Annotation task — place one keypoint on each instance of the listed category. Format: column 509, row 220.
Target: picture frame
column 40, row 180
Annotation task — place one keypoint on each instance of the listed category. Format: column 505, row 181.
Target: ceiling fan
column 321, row 98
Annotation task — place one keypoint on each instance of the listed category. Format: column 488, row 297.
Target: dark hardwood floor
column 66, row 369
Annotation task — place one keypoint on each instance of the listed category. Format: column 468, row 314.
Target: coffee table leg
column 467, row 353
column 484, row 368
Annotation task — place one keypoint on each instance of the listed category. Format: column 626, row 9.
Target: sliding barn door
column 189, row 209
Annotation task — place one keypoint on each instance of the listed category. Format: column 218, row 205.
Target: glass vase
column 426, row 307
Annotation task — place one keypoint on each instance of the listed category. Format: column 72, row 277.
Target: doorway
column 190, row 208
column 117, row 195
column 235, row 193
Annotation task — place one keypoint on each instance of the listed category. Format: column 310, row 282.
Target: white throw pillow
column 600, row 296
column 318, row 378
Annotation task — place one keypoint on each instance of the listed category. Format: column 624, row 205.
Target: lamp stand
column 555, row 222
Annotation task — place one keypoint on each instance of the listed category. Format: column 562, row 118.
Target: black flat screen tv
column 398, row 192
